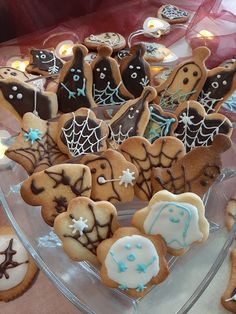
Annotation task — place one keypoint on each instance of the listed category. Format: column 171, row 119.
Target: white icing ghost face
column 132, row 113
column 102, row 72
column 13, row 272
column 76, row 74
column 176, row 222
column 134, row 69
column 132, row 262
column 41, row 55
column 15, row 93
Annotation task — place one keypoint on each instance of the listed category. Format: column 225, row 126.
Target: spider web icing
column 119, row 137
column 108, row 95
column 170, row 100
column 208, row 102
column 83, row 138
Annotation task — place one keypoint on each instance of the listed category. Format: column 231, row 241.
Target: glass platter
column 80, row 282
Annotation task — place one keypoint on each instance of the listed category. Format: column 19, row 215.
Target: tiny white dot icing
column 19, row 96
column 132, row 262
column 17, row 273
column 14, row 88
column 176, row 222
column 10, row 96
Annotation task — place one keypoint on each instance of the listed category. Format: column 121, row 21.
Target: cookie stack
column 98, row 133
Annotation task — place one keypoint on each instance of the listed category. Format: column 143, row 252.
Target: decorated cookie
column 75, row 82
column 172, row 14
column 185, row 81
column 84, row 226
column 228, row 299
column 179, row 219
column 17, row 269
column 121, row 54
column 228, row 63
column 163, row 152
column 230, row 103
column 195, row 172
column 90, row 57
column 230, row 212
column 196, row 128
column 132, row 261
column 155, row 52
column 219, row 85
column 35, row 148
column 160, row 123
column 81, row 133
column 19, row 97
column 113, row 177
column 114, row 40
column 108, row 88
column 131, row 119
column 161, row 76
column 135, row 71
column 54, row 187
column 44, row 62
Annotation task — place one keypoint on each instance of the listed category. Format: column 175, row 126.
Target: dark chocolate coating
column 39, row 58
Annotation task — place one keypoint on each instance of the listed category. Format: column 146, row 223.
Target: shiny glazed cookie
column 132, row 261
column 179, row 219
column 172, row 14
column 35, row 148
column 163, row 152
column 54, row 187
column 84, row 226
column 19, row 97
column 113, row 177
column 75, row 82
column 114, row 40
column 81, row 133
column 17, row 269
column 185, row 81
column 195, row 172
column 108, row 88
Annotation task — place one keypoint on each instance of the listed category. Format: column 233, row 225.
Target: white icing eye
column 215, row 85
column 130, row 66
column 131, row 109
column 98, row 69
column 37, row 56
column 19, row 96
column 224, row 82
column 134, row 75
column 43, row 56
column 104, row 69
column 137, row 111
column 14, row 88
column 11, row 96
column 138, row 67
column 41, row 52
column 78, row 70
column 218, row 76
column 72, row 70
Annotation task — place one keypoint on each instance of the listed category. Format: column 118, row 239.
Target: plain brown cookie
column 115, row 40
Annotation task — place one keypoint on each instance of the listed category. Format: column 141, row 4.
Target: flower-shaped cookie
column 84, row 226
column 179, row 219
column 132, row 262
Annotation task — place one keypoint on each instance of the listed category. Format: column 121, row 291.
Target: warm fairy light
column 156, row 69
column 66, row 50
column 3, row 148
column 205, row 34
column 19, row 64
column 154, row 25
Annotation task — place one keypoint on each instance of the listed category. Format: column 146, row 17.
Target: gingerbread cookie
column 135, row 71
column 84, row 226
column 108, row 88
column 114, row 40
column 161, row 76
column 196, row 128
column 179, row 219
column 228, row 63
column 230, row 212
column 185, row 81
column 54, row 187
column 121, row 54
column 113, row 177
column 81, row 133
column 44, row 62
column 90, row 57
column 131, row 119
column 19, row 97
column 163, row 152
column 132, row 262
column 195, row 172
column 155, row 52
column 17, row 269
column 75, row 82
column 35, row 148
column 172, row 14
column 219, row 86
column 160, row 123
column 228, row 299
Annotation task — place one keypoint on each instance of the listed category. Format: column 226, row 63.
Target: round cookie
column 172, row 14
column 114, row 40
column 17, row 269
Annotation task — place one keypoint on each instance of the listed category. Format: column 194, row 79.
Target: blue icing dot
column 121, row 267
column 138, row 245
column 141, row 268
column 33, row 135
column 131, row 257
column 123, row 287
column 128, row 246
column 140, row 287
column 170, row 210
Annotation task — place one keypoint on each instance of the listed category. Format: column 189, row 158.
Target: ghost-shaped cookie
column 75, row 83
column 179, row 219
column 135, row 70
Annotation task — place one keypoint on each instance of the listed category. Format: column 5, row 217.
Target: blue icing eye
column 123, row 287
column 32, row 135
column 131, row 257
column 72, row 70
column 128, row 246
column 175, row 220
column 121, row 267
column 171, row 210
column 138, row 245
column 140, row 287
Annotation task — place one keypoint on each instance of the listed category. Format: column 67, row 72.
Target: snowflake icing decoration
column 127, row 178
column 79, row 225
column 32, row 135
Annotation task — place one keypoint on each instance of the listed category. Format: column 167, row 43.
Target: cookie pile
column 99, row 133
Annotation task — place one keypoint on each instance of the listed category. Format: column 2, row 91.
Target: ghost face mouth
column 174, row 220
column 134, row 75
column 102, row 76
column 76, row 78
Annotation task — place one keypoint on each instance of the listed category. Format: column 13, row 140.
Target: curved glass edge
column 211, row 273
column 65, row 291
